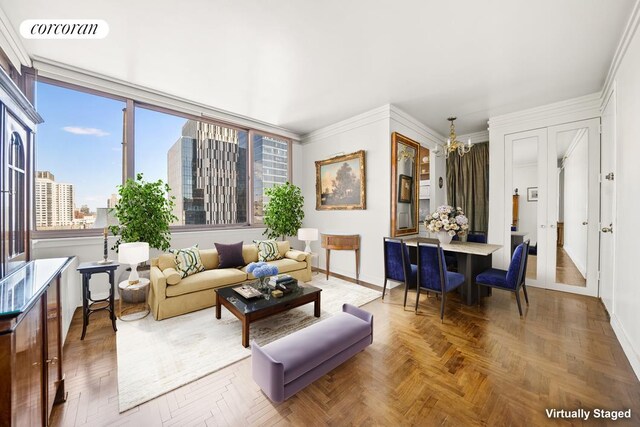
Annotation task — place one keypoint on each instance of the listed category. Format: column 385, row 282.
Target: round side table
column 138, row 294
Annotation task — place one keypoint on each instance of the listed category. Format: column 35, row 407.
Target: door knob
column 552, row 226
column 585, row 222
column 608, row 229
column 542, row 226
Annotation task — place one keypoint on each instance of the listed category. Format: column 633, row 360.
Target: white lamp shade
column 105, row 218
column 133, row 253
column 308, row 234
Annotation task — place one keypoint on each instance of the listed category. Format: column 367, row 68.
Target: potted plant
column 283, row 212
column 144, row 212
column 446, row 222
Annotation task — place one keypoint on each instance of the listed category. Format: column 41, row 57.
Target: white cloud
column 77, row 130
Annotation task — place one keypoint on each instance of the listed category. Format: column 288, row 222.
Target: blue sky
column 80, row 142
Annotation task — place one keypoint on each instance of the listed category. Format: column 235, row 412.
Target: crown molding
column 581, row 107
column 476, row 137
column 414, row 124
column 372, row 116
column 89, row 79
column 11, row 43
column 621, row 50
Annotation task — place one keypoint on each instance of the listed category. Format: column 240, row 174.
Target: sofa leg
column 384, row 288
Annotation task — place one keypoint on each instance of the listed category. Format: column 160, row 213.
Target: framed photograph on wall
column 405, row 189
column 532, row 194
column 341, row 182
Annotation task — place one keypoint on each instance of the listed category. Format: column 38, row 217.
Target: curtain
column 468, row 185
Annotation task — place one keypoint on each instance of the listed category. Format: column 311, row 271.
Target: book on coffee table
column 248, row 291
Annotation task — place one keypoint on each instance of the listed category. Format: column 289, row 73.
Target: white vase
column 444, row 237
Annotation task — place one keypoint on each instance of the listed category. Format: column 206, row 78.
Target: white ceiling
column 304, row 64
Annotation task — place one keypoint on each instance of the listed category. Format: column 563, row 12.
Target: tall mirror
column 572, row 209
column 405, row 159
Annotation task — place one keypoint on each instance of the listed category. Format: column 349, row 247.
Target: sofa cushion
column 250, row 254
column 210, row 258
column 172, row 275
column 230, row 255
column 284, row 265
column 267, row 250
column 309, row 347
column 207, row 279
column 296, row 255
column 283, row 247
column 188, row 260
column 166, row 261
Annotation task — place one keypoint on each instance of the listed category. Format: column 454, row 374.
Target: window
column 79, row 160
column 204, row 163
column 78, row 156
column 270, row 167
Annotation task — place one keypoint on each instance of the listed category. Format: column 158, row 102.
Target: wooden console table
column 342, row 242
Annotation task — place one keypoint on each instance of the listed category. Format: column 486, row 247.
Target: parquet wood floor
column 482, row 366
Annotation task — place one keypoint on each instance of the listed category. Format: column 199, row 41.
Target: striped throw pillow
column 188, row 260
column 267, row 250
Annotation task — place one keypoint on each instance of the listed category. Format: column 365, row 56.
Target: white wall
column 526, row 176
column 626, row 292
column 370, row 131
column 575, row 203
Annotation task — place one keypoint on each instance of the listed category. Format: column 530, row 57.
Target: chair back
column 477, row 237
column 432, row 268
column 396, row 259
column 523, row 274
column 516, row 267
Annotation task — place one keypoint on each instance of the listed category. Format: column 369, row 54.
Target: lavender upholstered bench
column 286, row 366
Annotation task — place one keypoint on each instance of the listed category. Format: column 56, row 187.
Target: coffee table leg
column 245, row 332
column 316, row 306
column 218, row 313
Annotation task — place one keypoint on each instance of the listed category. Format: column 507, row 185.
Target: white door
column 608, row 202
column 573, row 207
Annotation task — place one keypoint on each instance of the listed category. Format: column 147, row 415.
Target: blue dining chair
column 433, row 275
column 510, row 280
column 397, row 265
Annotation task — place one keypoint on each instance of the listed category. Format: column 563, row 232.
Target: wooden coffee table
column 250, row 310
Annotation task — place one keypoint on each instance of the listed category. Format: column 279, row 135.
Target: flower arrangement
column 447, row 219
column 262, row 269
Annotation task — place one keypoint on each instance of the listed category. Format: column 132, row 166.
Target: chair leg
column 406, row 291
column 384, row 288
column 526, row 297
column 442, row 307
column 478, row 294
column 518, row 301
column 417, row 298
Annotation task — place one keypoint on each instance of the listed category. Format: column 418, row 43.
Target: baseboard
column 627, row 347
column 347, row 278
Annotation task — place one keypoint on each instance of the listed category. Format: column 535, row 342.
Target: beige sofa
column 171, row 295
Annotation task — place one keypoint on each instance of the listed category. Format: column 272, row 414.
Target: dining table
column 473, row 258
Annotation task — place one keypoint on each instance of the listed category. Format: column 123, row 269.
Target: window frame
column 129, row 151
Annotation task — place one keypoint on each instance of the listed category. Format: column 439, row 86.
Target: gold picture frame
column 341, row 182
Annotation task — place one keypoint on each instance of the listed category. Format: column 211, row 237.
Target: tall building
column 270, row 167
column 206, row 170
column 54, row 201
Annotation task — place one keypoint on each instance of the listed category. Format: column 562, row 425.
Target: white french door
column 554, row 176
column 608, row 203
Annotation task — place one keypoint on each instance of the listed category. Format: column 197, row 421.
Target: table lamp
column 308, row 235
column 104, row 219
column 133, row 254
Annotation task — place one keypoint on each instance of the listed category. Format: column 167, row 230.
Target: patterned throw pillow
column 188, row 260
column 267, row 250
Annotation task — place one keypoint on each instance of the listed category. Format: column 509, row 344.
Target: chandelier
column 453, row 145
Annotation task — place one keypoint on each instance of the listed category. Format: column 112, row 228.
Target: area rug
column 157, row 357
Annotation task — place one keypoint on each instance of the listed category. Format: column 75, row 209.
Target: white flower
column 435, row 215
column 452, row 233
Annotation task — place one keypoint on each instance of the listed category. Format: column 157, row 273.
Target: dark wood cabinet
column 30, row 343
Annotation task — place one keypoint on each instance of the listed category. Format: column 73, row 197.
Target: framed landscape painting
column 341, row 182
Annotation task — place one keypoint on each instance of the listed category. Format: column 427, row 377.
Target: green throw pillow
column 267, row 250
column 188, row 260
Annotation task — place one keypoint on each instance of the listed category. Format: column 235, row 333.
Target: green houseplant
column 283, row 212
column 144, row 213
